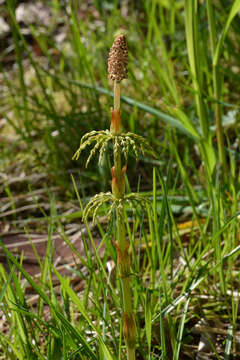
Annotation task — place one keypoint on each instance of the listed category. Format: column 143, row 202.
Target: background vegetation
column 183, row 81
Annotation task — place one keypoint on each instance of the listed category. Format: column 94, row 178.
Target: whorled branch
column 100, row 138
column 136, row 143
column 95, row 204
column 99, row 200
column 121, row 143
column 137, row 199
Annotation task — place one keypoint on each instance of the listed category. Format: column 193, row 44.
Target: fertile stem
column 117, row 68
column 123, row 258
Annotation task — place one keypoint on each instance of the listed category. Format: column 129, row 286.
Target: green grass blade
column 180, row 331
column 167, row 119
column 195, row 282
column 80, row 306
column 2, row 293
column 148, row 318
column 191, row 26
column 105, row 351
column 234, row 10
column 229, row 339
column 75, row 299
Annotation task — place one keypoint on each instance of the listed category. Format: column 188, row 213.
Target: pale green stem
column 131, row 354
column 116, row 95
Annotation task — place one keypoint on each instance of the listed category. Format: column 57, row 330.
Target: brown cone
column 118, row 59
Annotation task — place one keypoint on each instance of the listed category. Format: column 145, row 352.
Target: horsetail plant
column 122, row 143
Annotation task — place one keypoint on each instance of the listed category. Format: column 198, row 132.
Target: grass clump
column 176, row 282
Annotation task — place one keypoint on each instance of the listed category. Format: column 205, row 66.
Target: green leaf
column 65, row 284
column 202, row 273
column 148, row 318
column 210, row 155
column 64, row 322
column 105, row 350
column 167, row 119
column 2, row 293
column 234, row 10
column 80, row 306
column 186, row 122
column 180, row 331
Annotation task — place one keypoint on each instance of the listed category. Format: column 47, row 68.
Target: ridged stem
column 123, row 262
column 131, row 354
column 122, row 245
